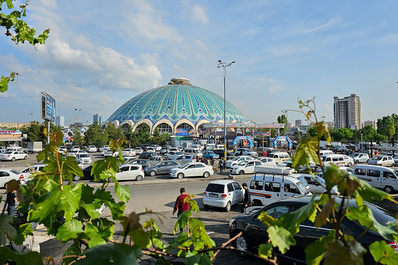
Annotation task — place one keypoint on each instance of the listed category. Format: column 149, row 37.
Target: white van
column 271, row 184
column 14, row 149
column 338, row 160
column 379, row 177
column 326, row 152
column 279, row 157
column 194, row 152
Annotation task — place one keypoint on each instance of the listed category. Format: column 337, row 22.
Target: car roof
column 222, row 181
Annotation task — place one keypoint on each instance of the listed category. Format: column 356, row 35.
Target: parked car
column 222, row 194
column 236, row 160
column 338, row 160
column 104, row 148
column 164, row 150
column 150, row 149
column 244, row 167
column 109, row 153
column 26, row 172
column 13, row 155
column 208, row 154
column 157, row 148
column 84, row 159
column 128, row 152
column 160, row 168
column 173, row 155
column 91, row 149
column 192, row 170
column 316, row 184
column 279, row 157
column 250, row 152
column 183, row 159
column 75, row 148
column 360, row 157
column 138, row 150
column 382, row 160
column 130, row 172
column 146, row 155
column 379, row 177
column 62, row 149
column 239, row 151
column 2, row 149
column 395, row 160
column 192, row 151
column 220, row 152
column 268, row 161
column 72, row 154
column 254, row 232
column 6, row 175
column 153, row 160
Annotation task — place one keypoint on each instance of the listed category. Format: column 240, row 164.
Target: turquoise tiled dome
column 175, row 102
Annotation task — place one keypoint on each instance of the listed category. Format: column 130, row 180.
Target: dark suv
column 255, row 233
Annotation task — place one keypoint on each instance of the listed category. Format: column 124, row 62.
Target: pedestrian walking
column 11, row 200
column 246, row 198
column 221, row 165
column 181, row 204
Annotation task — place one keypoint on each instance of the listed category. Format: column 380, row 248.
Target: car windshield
column 302, row 188
column 302, row 180
column 236, row 158
column 243, row 163
column 8, row 152
column 15, row 171
column 84, row 155
column 378, row 158
column 215, row 188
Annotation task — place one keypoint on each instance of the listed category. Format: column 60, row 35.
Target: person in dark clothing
column 11, row 199
column 246, row 198
column 221, row 165
column 181, row 204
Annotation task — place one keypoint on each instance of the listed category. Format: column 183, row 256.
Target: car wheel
column 13, row 159
column 139, row 178
column 152, row 173
column 241, row 172
column 349, row 164
column 180, row 175
column 388, row 189
column 206, row 206
column 257, row 203
column 26, row 157
column 76, row 178
column 228, row 207
column 206, row 174
column 241, row 243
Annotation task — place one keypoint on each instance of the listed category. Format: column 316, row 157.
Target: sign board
column 47, row 107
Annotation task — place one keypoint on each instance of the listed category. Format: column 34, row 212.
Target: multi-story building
column 60, row 121
column 297, row 123
column 373, row 123
column 348, row 112
column 97, row 118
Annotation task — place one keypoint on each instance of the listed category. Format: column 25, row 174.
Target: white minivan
column 271, row 184
column 338, row 160
column 379, row 177
column 279, row 157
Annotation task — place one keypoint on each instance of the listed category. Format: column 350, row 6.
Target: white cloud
column 199, row 14
column 146, row 22
column 320, row 27
column 272, row 85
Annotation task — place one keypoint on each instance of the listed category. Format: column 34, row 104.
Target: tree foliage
column 95, row 135
column 386, row 127
column 19, row 32
column 283, row 120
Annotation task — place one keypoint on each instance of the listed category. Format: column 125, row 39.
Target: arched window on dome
column 184, row 129
column 126, row 128
column 143, row 127
column 164, row 128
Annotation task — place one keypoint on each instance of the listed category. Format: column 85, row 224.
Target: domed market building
column 178, row 108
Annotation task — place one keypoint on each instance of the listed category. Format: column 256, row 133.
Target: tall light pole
column 224, row 66
column 74, row 118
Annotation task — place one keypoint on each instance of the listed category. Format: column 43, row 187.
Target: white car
column 84, row 159
column 236, row 160
column 6, row 175
column 62, row 149
column 128, row 152
column 130, row 172
column 109, row 153
column 222, row 194
column 138, row 150
column 13, row 155
column 249, row 152
column 75, row 148
column 150, row 149
column 103, row 148
column 268, row 161
column 91, row 149
column 245, row 167
column 195, row 169
column 316, row 184
column 26, row 172
column 385, row 161
column 183, row 159
column 71, row 153
column 360, row 157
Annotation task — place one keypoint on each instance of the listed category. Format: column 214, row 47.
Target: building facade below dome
column 175, row 108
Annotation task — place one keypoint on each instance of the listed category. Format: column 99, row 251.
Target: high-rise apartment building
column 348, row 112
column 60, row 121
column 97, row 118
column 297, row 123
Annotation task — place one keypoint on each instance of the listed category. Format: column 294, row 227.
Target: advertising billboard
column 48, row 111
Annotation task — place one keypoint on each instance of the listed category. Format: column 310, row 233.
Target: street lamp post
column 224, row 66
column 74, row 118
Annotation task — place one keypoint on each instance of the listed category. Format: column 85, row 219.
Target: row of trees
column 99, row 135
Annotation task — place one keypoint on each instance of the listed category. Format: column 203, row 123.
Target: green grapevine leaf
column 281, row 238
column 6, row 229
column 338, row 253
column 383, row 253
column 317, row 250
column 265, row 250
column 122, row 192
column 70, row 230
column 30, row 258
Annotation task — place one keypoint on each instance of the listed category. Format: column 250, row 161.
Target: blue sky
column 101, row 53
